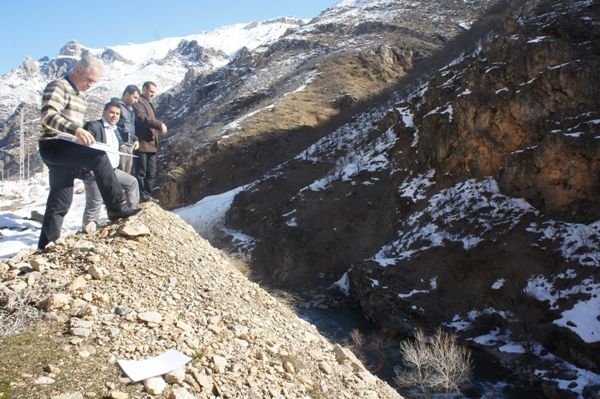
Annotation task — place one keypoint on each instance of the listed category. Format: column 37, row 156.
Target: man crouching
column 105, row 131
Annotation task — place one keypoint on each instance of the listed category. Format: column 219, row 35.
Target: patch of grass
column 316, row 392
column 5, row 389
column 294, row 361
column 199, row 355
column 24, row 356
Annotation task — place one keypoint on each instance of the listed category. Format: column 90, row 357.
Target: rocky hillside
column 231, row 126
column 470, row 201
column 120, row 293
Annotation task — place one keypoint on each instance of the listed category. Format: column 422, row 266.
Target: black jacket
column 96, row 128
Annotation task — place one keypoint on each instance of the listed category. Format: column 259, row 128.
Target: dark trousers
column 144, row 169
column 64, row 159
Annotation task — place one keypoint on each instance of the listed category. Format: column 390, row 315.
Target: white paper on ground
column 164, row 363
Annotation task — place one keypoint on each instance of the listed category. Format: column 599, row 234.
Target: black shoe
column 122, row 211
column 150, row 199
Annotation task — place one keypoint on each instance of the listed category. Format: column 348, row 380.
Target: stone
column 87, row 310
column 180, row 393
column 56, row 301
column 340, row 354
column 176, row 376
column 289, row 367
column 184, row 326
column 33, row 278
column 367, row 377
column 77, row 284
column 118, row 395
column 204, row 381
column 219, row 364
column 11, row 274
column 134, row 228
column 50, row 368
column 96, row 272
column 81, row 323
column 122, row 310
column 155, row 385
column 84, row 246
column 191, row 381
column 39, row 264
column 324, row 367
column 84, row 354
column 3, row 268
column 18, row 286
column 73, row 395
column 150, row 317
column 44, row 381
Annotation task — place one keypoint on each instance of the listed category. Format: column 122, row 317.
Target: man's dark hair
column 112, row 104
column 130, row 89
column 148, row 84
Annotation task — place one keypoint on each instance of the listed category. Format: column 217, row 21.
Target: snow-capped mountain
column 163, row 61
column 166, row 62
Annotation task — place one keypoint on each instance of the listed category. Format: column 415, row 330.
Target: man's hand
column 84, row 137
column 136, row 145
column 163, row 129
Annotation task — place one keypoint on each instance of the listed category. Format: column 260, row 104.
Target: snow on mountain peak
column 136, row 63
column 228, row 39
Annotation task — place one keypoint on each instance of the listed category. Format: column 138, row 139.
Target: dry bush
column 357, row 338
column 16, row 313
column 436, row 364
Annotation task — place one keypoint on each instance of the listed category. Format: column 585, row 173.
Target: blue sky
column 37, row 28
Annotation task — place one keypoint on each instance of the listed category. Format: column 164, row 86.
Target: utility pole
column 21, row 147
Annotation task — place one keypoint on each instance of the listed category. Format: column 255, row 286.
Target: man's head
column 131, row 95
column 111, row 113
column 86, row 72
column 149, row 90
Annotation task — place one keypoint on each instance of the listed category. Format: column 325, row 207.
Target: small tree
column 437, row 364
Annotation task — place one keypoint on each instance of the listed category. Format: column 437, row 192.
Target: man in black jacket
column 105, row 131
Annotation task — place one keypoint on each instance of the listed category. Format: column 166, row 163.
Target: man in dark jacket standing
column 147, row 127
column 126, row 125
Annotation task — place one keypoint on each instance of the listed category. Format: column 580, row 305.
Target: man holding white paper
column 63, row 109
column 105, row 131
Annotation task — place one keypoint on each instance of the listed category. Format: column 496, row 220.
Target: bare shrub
column 357, row 338
column 16, row 313
column 436, row 364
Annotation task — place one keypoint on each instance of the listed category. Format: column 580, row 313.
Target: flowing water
column 381, row 354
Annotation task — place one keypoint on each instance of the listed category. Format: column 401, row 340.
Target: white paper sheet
column 164, row 363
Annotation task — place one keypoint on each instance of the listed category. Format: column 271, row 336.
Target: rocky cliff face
column 470, row 202
column 120, row 293
column 231, row 126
